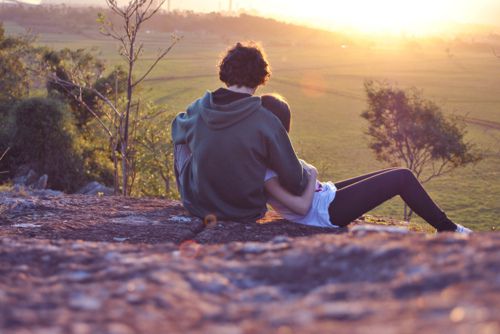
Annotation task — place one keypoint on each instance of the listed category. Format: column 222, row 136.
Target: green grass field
column 325, row 89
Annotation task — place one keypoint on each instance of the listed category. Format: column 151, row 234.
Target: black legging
column 361, row 194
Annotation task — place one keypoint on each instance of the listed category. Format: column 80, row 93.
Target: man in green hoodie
column 226, row 140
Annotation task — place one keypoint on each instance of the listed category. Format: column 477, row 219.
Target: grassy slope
column 325, row 89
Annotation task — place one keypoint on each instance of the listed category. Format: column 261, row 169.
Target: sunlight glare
column 380, row 16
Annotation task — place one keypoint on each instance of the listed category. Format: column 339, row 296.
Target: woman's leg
column 348, row 182
column 358, row 198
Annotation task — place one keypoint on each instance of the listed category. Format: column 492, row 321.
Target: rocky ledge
column 85, row 264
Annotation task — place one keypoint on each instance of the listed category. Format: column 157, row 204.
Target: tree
column 407, row 129
column 115, row 118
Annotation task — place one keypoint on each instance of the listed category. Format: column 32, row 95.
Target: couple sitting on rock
column 233, row 156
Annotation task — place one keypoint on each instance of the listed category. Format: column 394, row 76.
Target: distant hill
column 54, row 18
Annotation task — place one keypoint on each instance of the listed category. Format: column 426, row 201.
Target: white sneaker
column 463, row 229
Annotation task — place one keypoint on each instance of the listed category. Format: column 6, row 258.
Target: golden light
column 390, row 15
column 377, row 16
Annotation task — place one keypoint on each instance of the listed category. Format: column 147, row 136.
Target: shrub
column 43, row 136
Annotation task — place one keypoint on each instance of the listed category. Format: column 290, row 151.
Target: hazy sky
column 366, row 15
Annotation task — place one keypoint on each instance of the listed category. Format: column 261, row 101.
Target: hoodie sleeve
column 283, row 160
column 179, row 129
column 181, row 124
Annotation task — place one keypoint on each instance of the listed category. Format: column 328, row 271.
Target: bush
column 43, row 136
column 152, row 156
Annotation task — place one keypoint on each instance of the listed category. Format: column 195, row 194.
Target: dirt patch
column 76, row 264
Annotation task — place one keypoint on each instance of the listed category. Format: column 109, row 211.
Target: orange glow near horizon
column 420, row 17
column 381, row 16
column 388, row 15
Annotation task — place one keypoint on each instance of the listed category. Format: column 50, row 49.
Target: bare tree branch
column 65, row 84
column 152, row 117
column 158, row 59
column 441, row 170
column 4, row 153
column 86, row 106
column 3, row 156
column 114, row 7
column 138, row 51
column 154, row 10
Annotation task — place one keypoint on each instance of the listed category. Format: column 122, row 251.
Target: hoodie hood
column 220, row 116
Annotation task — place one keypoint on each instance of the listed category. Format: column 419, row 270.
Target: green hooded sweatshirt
column 231, row 147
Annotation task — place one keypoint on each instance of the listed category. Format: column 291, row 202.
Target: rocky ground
column 85, row 264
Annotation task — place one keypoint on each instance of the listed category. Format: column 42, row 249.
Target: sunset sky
column 378, row 16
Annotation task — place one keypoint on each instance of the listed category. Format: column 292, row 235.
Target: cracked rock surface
column 82, row 264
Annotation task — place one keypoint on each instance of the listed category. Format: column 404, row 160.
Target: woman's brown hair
column 276, row 104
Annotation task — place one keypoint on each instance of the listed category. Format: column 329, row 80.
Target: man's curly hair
column 245, row 65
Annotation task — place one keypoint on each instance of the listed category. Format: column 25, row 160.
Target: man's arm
column 298, row 204
column 181, row 125
column 283, row 160
column 181, row 156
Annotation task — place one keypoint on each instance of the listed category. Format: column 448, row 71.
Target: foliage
column 77, row 79
column 132, row 17
column 98, row 165
column 45, row 138
column 15, row 54
column 152, row 158
column 78, row 67
column 118, row 116
column 22, row 65
column 14, row 83
column 81, row 69
column 407, row 129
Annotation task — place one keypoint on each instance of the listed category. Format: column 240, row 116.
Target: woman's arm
column 298, row 204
